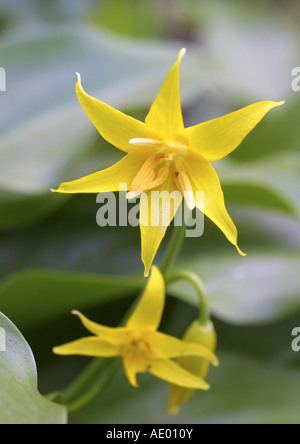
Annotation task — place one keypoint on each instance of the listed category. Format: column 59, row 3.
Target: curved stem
column 96, row 389
column 80, row 384
column 173, row 248
column 204, row 314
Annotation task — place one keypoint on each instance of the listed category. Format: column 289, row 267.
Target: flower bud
column 202, row 335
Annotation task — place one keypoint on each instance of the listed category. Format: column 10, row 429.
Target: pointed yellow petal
column 157, row 211
column 123, row 172
column 117, row 336
column 135, row 363
column 148, row 314
column 165, row 115
column 217, row 138
column 114, row 126
column 171, row 372
column 169, row 347
column 205, row 179
column 89, row 347
column 130, row 371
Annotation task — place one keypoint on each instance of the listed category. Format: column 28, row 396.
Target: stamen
column 146, row 173
column 145, row 142
column 159, row 180
column 184, row 184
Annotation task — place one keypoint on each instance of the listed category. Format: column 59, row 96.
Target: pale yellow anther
column 184, row 184
column 146, row 173
column 159, row 180
column 161, row 177
column 145, row 142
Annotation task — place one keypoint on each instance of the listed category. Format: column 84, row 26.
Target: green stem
column 173, row 248
column 192, row 278
column 80, row 384
column 96, row 389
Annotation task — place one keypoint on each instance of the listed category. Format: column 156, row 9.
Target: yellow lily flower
column 141, row 346
column 163, row 155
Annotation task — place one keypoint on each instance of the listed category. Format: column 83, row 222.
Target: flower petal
column 169, row 347
column 89, row 347
column 217, row 138
column 165, row 115
column 134, row 363
column 205, row 179
column 116, row 336
column 156, row 213
column 114, row 126
column 171, row 372
column 148, row 313
column 123, row 172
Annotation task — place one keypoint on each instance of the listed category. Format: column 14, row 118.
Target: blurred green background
column 55, row 258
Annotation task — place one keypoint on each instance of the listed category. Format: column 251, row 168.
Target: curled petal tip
column 182, row 53
column 216, row 362
column 75, row 312
column 240, row 251
column 78, row 77
column 206, row 387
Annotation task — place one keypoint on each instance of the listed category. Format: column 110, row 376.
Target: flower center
column 169, row 158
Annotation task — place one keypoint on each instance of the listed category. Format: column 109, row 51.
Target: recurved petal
column 169, row 347
column 117, row 336
column 114, row 126
column 171, row 372
column 165, row 115
column 157, row 211
column 217, row 138
column 148, row 313
column 205, row 179
column 122, row 172
column 91, row 346
column 133, row 364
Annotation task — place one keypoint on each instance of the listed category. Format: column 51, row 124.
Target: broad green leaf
column 20, row 401
column 36, row 297
column 253, row 47
column 243, row 194
column 260, row 287
column 280, row 173
column 256, row 289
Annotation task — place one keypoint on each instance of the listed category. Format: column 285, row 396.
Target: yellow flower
column 163, row 155
column 141, row 346
column 198, row 334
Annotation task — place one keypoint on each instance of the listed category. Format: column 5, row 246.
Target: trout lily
column 141, row 346
column 164, row 156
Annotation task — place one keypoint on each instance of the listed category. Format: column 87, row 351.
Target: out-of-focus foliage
column 20, row 401
column 55, row 258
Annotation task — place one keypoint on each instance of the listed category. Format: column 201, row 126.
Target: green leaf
column 280, row 174
column 244, row 194
column 55, row 294
column 258, row 288
column 20, row 402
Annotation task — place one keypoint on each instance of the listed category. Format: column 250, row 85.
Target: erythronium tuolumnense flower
column 141, row 346
column 162, row 155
